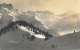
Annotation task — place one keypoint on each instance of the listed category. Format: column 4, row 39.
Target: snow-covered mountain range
column 69, row 22
column 11, row 14
column 38, row 30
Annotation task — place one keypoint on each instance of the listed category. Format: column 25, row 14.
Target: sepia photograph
column 39, row 24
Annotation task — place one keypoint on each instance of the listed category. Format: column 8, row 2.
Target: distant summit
column 68, row 13
column 9, row 6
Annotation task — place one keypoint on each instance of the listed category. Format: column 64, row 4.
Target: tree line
column 13, row 26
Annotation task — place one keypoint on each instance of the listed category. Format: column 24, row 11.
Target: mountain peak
column 68, row 13
column 9, row 6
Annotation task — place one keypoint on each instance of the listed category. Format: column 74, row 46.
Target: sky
column 56, row 6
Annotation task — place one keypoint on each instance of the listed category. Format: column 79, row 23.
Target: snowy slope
column 69, row 41
column 31, row 32
column 42, row 23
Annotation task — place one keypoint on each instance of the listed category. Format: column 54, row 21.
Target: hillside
column 68, row 41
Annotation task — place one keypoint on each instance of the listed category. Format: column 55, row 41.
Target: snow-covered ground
column 13, row 41
column 31, row 32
